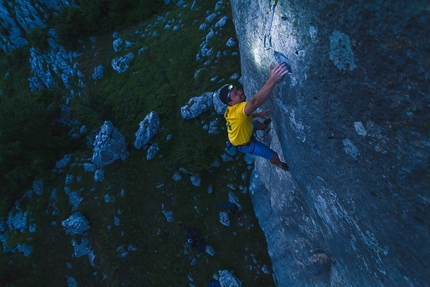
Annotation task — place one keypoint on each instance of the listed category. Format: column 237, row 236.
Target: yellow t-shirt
column 239, row 125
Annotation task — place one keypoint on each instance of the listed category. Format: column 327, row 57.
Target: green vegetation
column 30, row 138
column 93, row 18
column 161, row 79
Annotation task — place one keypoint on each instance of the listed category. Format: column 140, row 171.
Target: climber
column 239, row 116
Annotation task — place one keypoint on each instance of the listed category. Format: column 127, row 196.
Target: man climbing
column 239, row 116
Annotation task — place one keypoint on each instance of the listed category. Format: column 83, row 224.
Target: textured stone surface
column 76, row 224
column 197, row 105
column 148, row 128
column 352, row 121
column 109, row 145
column 20, row 16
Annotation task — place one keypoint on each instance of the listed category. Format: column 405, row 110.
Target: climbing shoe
column 284, row 166
column 267, row 122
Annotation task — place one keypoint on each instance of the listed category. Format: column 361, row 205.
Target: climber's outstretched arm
column 276, row 75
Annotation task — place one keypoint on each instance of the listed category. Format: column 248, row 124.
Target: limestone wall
column 352, row 121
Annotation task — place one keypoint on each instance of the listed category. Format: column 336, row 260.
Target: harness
column 246, row 145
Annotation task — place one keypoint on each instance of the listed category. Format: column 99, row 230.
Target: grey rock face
column 349, row 123
column 148, row 128
column 75, row 224
column 197, row 105
column 109, row 145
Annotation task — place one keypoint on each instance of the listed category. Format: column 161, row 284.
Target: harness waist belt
column 245, row 145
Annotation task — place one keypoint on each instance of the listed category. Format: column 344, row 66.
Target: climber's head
column 224, row 94
column 231, row 95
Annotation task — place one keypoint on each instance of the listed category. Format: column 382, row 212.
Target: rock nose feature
column 352, row 122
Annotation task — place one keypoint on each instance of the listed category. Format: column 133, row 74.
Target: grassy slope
column 161, row 79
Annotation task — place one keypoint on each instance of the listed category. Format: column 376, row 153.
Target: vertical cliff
column 352, row 121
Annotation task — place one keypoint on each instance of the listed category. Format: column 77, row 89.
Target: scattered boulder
column 152, row 151
column 74, row 200
column 147, row 129
column 231, row 43
column 223, row 218
column 227, row 279
column 122, row 251
column 57, row 61
column 84, row 249
column 196, row 180
column 90, row 167
column 197, row 105
column 217, row 104
column 120, row 65
column 226, row 158
column 24, row 248
column 17, row 221
column 117, row 44
column 233, row 198
column 81, row 249
column 62, row 163
column 38, row 186
column 212, row 127
column 75, row 224
column 71, row 282
column 210, row 18
column 209, row 250
column 265, row 269
column 221, row 22
column 177, row 176
column 98, row 73
column 109, row 145
column 168, row 215
column 69, row 179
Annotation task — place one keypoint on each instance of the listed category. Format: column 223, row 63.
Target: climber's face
column 236, row 96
